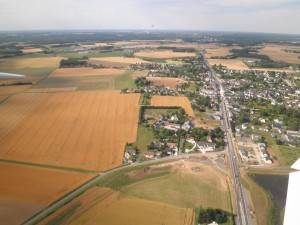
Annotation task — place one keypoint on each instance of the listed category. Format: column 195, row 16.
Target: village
column 264, row 108
column 175, row 132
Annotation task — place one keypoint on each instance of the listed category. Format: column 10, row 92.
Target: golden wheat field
column 21, row 63
column 24, row 190
column 217, row 52
column 281, row 53
column 166, row 81
column 173, row 101
column 129, row 211
column 12, row 89
column 86, row 71
column 234, row 64
column 163, row 54
column 84, row 129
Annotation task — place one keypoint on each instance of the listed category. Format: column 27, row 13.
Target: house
column 244, row 154
column 149, row 155
column 187, row 125
column 255, row 137
column 262, row 120
column 206, row 146
column 213, row 223
column 172, row 149
column 174, row 118
column 173, row 127
column 244, row 126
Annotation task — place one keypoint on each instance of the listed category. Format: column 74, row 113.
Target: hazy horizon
column 268, row 16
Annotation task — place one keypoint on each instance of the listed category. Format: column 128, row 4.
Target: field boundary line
column 47, row 166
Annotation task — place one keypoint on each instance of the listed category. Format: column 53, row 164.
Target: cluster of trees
column 291, row 117
column 243, row 117
column 73, row 62
column 201, row 134
column 9, row 50
column 141, row 82
column 175, row 49
column 202, row 102
column 209, row 215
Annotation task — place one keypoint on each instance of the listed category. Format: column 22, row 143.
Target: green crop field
column 180, row 190
column 124, row 81
column 144, row 137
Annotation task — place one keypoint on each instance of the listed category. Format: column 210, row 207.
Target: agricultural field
column 31, row 50
column 26, row 62
column 121, row 60
column 166, row 81
column 165, row 193
column 234, row 64
column 77, row 83
column 39, row 187
column 56, row 121
column 139, row 73
column 86, row 210
column 13, row 89
column 173, row 101
column 6, row 91
column 163, row 54
column 282, row 53
column 124, row 81
column 217, row 52
column 238, row 64
column 188, row 185
column 86, row 71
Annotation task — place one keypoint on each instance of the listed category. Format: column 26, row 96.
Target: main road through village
column 242, row 206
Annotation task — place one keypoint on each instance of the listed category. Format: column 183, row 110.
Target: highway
column 243, row 216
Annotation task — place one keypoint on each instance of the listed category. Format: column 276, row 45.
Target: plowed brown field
column 24, row 190
column 87, row 129
column 178, row 101
column 79, row 72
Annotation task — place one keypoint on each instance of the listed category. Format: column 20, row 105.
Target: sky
column 274, row 16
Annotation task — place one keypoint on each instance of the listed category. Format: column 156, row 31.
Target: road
column 243, row 215
column 39, row 216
